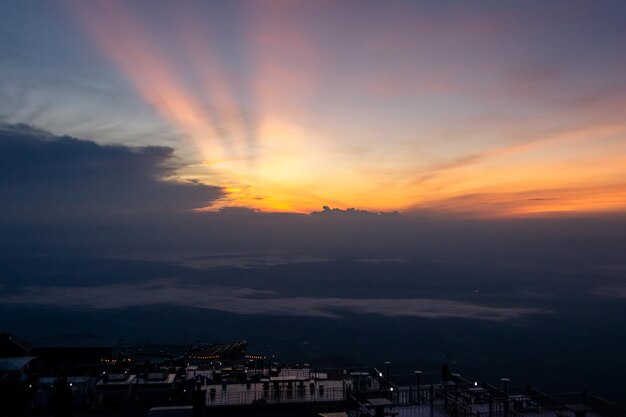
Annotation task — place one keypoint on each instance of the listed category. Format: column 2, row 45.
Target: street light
column 506, row 395
column 456, row 385
column 387, row 363
column 417, row 385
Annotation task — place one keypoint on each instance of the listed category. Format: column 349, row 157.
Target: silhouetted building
column 16, row 388
column 114, row 389
column 75, row 353
column 88, row 374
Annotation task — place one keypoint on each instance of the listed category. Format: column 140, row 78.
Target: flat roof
column 116, row 382
column 14, row 364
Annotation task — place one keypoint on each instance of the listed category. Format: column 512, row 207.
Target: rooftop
column 14, row 364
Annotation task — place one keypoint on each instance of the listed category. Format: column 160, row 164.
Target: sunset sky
column 341, row 182
column 472, row 109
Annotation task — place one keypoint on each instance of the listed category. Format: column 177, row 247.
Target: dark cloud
column 238, row 211
column 327, row 211
column 44, row 176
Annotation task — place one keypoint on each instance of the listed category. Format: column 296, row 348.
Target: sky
column 478, row 109
column 327, row 179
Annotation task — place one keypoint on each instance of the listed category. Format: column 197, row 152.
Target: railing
column 452, row 405
column 412, row 379
column 603, row 407
column 453, row 399
column 560, row 401
column 410, row 395
column 456, row 401
column 359, row 409
column 226, row 398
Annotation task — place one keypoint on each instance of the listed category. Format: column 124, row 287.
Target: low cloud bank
column 252, row 301
column 202, row 261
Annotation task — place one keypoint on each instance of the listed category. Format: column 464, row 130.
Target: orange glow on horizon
column 271, row 158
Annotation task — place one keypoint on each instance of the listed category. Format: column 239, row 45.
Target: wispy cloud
column 543, row 201
column 611, row 292
column 383, row 260
column 253, row 301
column 202, row 261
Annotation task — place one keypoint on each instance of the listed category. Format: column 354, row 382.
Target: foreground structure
column 83, row 376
